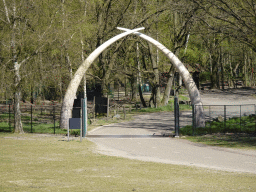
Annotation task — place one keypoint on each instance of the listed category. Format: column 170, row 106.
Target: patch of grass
column 43, row 128
column 4, row 127
column 184, row 98
column 246, row 124
column 236, row 133
column 169, row 107
column 158, row 109
column 243, row 141
column 50, row 163
column 36, row 128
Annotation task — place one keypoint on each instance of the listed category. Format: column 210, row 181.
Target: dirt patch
column 228, row 96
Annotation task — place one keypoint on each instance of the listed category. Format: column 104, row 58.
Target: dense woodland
column 44, row 42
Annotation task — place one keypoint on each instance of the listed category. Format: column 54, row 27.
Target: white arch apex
column 75, row 81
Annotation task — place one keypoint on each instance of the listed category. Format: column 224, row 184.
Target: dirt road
column 138, row 139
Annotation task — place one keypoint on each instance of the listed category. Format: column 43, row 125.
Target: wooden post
column 124, row 112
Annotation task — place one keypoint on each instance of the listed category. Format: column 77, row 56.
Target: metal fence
column 227, row 118
column 35, row 118
column 45, row 117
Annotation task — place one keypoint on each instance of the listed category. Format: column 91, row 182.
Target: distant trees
column 235, row 22
column 44, row 42
column 20, row 43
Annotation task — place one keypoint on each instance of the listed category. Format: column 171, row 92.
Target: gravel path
column 140, row 139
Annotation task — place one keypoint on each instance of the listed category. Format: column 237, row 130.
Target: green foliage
column 55, row 35
column 205, row 76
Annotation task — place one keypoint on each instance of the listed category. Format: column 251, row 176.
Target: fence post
column 54, row 118
column 240, row 119
column 176, row 115
column 31, row 117
column 84, row 117
column 193, row 119
column 10, row 117
column 255, row 118
column 193, row 108
column 210, row 119
column 124, row 111
column 107, row 106
column 225, row 110
column 94, row 109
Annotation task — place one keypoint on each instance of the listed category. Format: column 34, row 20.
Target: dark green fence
column 40, row 118
column 226, row 118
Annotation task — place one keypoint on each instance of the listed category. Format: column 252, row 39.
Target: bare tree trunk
column 214, row 73
column 156, row 94
column 222, row 62
column 17, row 97
column 139, row 78
column 168, row 88
column 141, row 97
column 245, row 67
column 230, row 79
column 133, row 88
column 6, row 12
column 17, row 79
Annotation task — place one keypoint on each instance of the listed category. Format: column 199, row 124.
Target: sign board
column 101, row 104
column 76, row 112
column 79, row 120
column 74, row 123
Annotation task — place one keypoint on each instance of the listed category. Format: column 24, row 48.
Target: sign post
column 74, row 123
column 84, row 117
column 176, row 116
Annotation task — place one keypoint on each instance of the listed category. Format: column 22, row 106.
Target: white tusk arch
column 68, row 100
column 74, row 83
column 194, row 94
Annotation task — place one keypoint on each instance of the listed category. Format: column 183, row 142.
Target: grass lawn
column 242, row 141
column 34, row 162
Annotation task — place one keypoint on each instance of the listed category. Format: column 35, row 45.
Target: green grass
column 50, row 163
column 235, row 125
column 36, row 128
column 236, row 133
column 168, row 107
column 242, row 141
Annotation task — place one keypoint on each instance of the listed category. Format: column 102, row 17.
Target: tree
column 234, row 18
column 22, row 39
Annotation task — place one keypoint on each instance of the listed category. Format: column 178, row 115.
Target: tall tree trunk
column 139, row 78
column 17, row 78
column 245, row 67
column 222, row 62
column 156, row 94
column 168, row 88
column 230, row 79
column 133, row 88
column 17, row 98
column 214, row 72
column 141, row 97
